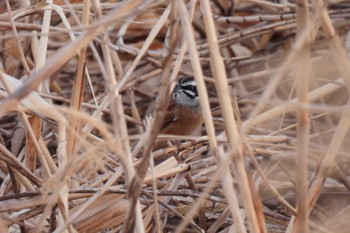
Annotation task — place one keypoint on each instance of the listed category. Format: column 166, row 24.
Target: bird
column 183, row 113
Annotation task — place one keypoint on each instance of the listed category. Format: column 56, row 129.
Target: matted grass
column 79, row 128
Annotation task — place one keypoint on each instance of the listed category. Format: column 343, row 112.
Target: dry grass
column 77, row 132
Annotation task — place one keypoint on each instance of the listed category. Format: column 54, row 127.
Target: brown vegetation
column 78, row 130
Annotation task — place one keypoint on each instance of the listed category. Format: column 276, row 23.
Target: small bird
column 183, row 115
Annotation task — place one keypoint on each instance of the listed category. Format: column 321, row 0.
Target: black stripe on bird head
column 188, row 85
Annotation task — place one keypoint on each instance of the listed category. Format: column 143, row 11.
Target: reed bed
column 84, row 88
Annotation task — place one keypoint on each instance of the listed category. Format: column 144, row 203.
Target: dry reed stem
column 232, row 133
column 197, row 73
column 155, row 197
column 39, row 63
column 14, row 29
column 229, row 192
column 76, row 101
column 301, row 223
